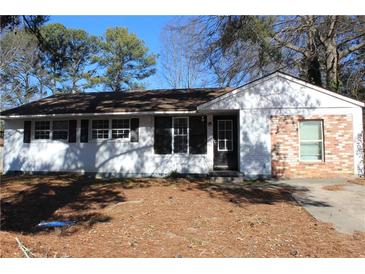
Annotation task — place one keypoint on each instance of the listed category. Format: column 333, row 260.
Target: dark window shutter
column 27, row 131
column 72, row 131
column 198, row 135
column 84, row 133
column 134, row 130
column 163, row 138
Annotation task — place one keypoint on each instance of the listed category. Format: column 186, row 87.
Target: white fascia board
column 287, row 77
column 235, row 91
column 323, row 90
column 95, row 114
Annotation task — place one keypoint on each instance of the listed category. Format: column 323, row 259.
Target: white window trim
column 173, row 135
column 224, row 150
column 109, row 139
column 311, row 141
column 129, row 130
column 91, row 130
column 33, row 130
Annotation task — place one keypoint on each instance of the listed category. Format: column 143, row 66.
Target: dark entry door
column 225, row 142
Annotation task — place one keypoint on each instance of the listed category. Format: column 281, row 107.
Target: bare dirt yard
column 162, row 218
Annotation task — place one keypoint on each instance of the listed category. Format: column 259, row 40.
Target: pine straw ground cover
column 162, row 218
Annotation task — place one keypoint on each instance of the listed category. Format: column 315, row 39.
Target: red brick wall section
column 338, row 148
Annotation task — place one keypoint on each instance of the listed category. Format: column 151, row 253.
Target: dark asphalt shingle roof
column 111, row 102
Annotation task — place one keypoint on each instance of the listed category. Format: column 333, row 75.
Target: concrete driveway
column 344, row 208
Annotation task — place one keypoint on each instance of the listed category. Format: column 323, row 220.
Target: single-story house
column 277, row 125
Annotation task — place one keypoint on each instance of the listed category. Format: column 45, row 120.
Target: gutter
column 139, row 113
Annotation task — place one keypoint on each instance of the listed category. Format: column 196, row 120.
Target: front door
column 225, row 142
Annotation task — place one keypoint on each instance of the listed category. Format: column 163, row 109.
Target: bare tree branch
column 354, row 48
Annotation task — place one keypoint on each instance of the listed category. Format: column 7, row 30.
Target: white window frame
column 173, row 135
column 92, row 129
column 312, row 141
column 34, row 131
column 129, row 129
column 225, row 140
column 67, row 129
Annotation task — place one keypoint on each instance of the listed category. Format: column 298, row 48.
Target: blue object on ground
column 55, row 224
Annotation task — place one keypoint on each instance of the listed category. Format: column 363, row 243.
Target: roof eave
column 288, row 77
column 323, row 90
column 139, row 113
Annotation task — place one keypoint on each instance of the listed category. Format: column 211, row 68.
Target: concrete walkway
column 344, row 208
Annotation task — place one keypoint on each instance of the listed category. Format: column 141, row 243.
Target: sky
column 147, row 28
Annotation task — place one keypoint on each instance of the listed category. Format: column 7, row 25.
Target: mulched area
column 162, row 218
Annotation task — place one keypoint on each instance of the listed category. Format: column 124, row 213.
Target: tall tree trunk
column 327, row 36
column 332, row 75
column 314, row 71
column 313, row 68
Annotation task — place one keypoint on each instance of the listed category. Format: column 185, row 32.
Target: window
column 311, row 140
column 42, row 130
column 60, row 130
column 100, row 129
column 180, row 135
column 120, row 129
column 225, row 135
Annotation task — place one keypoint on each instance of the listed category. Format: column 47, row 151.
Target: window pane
column 121, row 123
column 180, row 131
column 42, row 130
column 311, row 151
column 180, row 126
column 120, row 129
column 120, row 133
column 42, row 125
column 100, row 129
column 221, row 145
column 99, row 134
column 311, row 130
column 60, row 125
column 182, row 122
column 60, row 130
column 311, row 148
column 225, row 135
column 41, row 134
column 100, row 124
column 60, row 135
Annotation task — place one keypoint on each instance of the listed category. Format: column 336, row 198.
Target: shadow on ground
column 257, row 191
column 80, row 198
column 38, row 198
